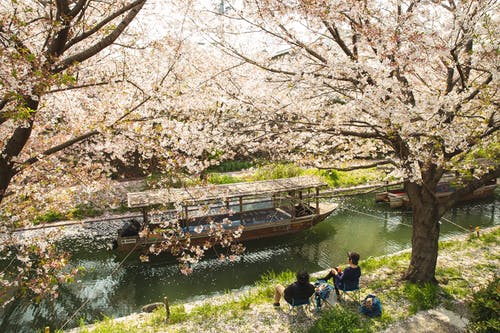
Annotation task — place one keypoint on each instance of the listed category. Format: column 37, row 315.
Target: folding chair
column 299, row 305
column 351, row 290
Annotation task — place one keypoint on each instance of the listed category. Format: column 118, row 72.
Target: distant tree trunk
column 425, row 236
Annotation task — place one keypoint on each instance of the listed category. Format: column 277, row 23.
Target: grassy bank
column 464, row 267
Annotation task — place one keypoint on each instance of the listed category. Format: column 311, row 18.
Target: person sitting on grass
column 347, row 278
column 298, row 291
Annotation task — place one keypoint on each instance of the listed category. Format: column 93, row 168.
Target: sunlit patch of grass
column 108, row 325
column 217, row 178
column 454, row 285
column 372, row 264
column 276, row 171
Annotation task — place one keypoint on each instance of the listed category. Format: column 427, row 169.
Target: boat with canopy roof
column 259, row 209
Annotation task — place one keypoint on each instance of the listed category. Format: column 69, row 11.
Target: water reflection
column 108, row 287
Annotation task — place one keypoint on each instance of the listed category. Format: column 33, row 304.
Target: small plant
column 339, row 320
column 485, row 308
column 422, row 296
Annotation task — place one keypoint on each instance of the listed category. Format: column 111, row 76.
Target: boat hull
column 250, row 232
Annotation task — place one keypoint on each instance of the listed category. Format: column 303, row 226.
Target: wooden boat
column 264, row 209
column 399, row 198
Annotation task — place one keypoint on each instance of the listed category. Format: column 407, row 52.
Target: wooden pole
column 317, row 200
column 167, row 308
column 144, row 216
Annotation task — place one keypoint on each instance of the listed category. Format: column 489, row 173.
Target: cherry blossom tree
column 87, row 83
column 412, row 81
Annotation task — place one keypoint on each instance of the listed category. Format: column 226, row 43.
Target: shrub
column 485, row 308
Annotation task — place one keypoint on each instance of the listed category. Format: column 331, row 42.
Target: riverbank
column 464, row 266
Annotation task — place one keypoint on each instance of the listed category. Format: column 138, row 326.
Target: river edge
column 462, row 262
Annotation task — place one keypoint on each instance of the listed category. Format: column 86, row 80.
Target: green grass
column 107, row 325
column 49, row 216
column 340, row 320
column 276, row 171
column 372, row 264
column 485, row 308
column 79, row 212
column 422, row 296
column 229, row 166
column 83, row 211
column 336, row 178
column 217, row 178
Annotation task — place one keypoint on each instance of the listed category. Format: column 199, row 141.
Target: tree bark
column 425, row 235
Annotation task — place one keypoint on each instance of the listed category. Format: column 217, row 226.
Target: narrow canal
column 359, row 224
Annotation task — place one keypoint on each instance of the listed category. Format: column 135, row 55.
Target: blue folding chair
column 299, row 304
column 351, row 289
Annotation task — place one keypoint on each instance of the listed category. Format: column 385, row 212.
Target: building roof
column 199, row 194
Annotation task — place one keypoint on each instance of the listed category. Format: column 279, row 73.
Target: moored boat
column 261, row 209
column 397, row 198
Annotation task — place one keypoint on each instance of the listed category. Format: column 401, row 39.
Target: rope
column 88, row 300
column 408, row 225
column 457, row 225
column 375, row 217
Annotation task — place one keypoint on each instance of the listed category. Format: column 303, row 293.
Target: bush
column 339, row 320
column 485, row 308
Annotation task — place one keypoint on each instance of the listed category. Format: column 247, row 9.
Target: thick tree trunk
column 425, row 235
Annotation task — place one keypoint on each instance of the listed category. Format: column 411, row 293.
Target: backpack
column 375, row 310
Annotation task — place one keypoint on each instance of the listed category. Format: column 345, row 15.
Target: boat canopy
column 199, row 194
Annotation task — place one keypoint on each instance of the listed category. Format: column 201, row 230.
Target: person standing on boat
column 349, row 276
column 300, row 290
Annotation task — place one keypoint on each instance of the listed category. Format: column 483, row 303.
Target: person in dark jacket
column 300, row 290
column 349, row 276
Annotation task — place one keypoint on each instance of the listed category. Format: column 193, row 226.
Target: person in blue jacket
column 349, row 277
